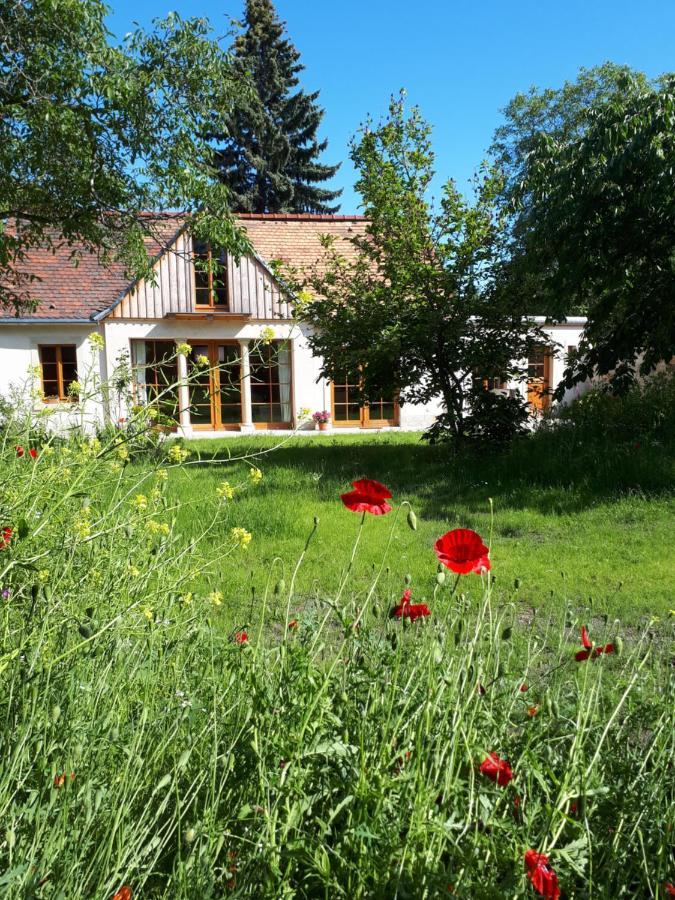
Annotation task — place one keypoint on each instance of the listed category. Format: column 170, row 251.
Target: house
column 249, row 367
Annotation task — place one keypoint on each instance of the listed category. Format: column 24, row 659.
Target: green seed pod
column 56, row 713
column 280, row 587
column 412, row 520
column 163, row 782
column 407, row 580
column 506, row 633
column 34, row 592
column 10, row 837
column 440, row 578
column 549, row 704
column 85, row 631
column 316, row 520
column 618, row 645
column 516, row 583
column 190, row 836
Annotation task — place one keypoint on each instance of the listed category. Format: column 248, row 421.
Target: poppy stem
column 454, row 587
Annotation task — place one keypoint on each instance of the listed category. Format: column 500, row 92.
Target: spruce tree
column 270, row 158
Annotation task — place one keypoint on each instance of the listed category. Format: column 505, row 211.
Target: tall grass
column 314, row 747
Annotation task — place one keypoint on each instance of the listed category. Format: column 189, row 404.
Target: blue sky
column 460, row 61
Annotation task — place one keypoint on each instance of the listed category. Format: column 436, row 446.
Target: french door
column 539, row 378
column 349, row 411
column 215, row 385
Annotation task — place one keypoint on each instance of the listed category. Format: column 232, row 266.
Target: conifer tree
column 270, row 158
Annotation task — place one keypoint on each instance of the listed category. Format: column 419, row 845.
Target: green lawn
column 588, row 526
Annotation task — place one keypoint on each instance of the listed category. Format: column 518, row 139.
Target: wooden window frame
column 545, row 391
column 216, row 423
column 208, row 256
column 63, row 394
column 364, row 421
column 275, row 426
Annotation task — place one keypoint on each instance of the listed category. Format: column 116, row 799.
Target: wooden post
column 246, row 415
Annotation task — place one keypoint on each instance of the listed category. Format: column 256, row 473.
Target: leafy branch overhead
column 94, row 135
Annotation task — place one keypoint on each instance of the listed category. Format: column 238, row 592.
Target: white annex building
column 248, row 383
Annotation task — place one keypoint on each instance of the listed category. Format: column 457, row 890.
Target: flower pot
column 323, row 426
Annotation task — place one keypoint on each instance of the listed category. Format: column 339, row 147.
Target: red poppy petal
column 585, row 639
column 462, row 551
column 372, row 488
column 582, row 655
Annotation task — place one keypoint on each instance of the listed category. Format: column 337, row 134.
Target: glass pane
column 260, row 412
column 388, row 411
column 230, row 415
column 259, row 393
column 48, row 354
column 277, row 413
column 49, row 371
column 200, row 415
column 51, row 388
column 68, row 354
column 69, row 374
column 339, row 394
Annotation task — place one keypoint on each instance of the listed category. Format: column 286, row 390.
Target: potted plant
column 322, row 419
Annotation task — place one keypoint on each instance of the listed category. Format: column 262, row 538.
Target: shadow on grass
column 555, row 473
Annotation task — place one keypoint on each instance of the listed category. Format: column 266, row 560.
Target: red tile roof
column 65, row 290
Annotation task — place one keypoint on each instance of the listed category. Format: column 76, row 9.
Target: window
column 210, row 277
column 348, row 409
column 215, row 385
column 494, row 383
column 539, row 377
column 271, row 385
column 156, row 375
column 58, row 365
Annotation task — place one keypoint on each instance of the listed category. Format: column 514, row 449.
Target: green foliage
column 593, row 228
column 143, row 745
column 416, row 309
column 493, row 420
column 270, row 153
column 645, row 413
column 93, row 135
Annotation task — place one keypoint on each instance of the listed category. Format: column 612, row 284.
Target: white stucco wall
column 19, row 354
column 19, row 351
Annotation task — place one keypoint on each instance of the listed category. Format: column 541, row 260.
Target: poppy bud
column 316, row 521
column 407, row 580
column 190, row 836
column 56, row 713
column 618, row 645
column 412, row 520
column 516, row 583
column 85, row 631
column 280, row 587
column 440, row 578
column 10, row 837
column 506, row 633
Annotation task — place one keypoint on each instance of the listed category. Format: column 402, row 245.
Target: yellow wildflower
column 267, row 334
column 95, row 576
column 255, row 475
column 305, row 412
column 152, row 413
column 241, row 537
column 134, row 571
column 81, row 526
column 43, row 575
column 156, row 495
column 161, row 475
column 74, row 389
column 183, row 349
column 148, row 613
column 178, row 454
column 140, row 501
column 122, row 453
column 202, row 361
column 96, row 341
column 225, row 490
column 157, row 527
column 215, row 597
column 187, row 598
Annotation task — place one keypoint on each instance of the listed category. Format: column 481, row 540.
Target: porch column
column 183, row 393
column 246, row 417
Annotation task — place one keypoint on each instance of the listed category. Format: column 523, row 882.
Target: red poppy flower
column 240, row 637
column 517, row 801
column 524, row 687
column 33, row 453
column 5, row 537
column 124, row 893
column 293, row 624
column 543, row 878
column 532, row 710
column 496, row 769
column 589, row 650
column 462, row 550
column 669, row 889
column 367, row 496
column 20, row 451
column 407, row 610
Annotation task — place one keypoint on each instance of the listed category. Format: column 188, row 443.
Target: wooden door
column 539, row 378
column 215, row 386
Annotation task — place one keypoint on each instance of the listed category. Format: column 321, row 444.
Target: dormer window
column 210, row 277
